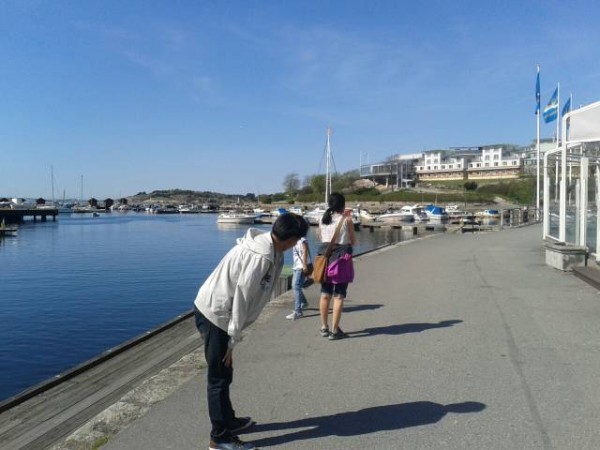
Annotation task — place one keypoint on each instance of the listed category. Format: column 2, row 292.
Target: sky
column 118, row 97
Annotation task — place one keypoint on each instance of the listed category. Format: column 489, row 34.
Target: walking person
column 230, row 300
column 301, row 259
column 335, row 226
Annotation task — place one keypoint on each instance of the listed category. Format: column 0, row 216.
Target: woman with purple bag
column 336, row 232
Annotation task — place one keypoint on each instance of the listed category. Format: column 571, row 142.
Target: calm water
column 74, row 288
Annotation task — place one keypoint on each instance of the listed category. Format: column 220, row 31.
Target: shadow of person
column 404, row 328
column 355, row 308
column 364, row 421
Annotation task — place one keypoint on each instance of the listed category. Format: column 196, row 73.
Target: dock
column 454, row 341
column 18, row 215
column 412, row 226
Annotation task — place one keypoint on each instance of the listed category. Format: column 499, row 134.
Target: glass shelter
column 572, row 183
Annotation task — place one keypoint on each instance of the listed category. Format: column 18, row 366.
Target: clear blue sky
column 231, row 96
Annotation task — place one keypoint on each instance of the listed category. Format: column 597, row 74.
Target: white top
column 298, row 253
column 327, row 231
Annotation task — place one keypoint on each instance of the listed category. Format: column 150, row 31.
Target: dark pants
column 219, row 377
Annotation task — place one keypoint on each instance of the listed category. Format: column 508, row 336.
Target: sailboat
column 52, row 204
column 81, row 207
column 63, row 207
column 313, row 217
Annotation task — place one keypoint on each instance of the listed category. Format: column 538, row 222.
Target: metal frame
column 572, row 154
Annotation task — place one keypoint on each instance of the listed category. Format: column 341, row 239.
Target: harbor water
column 72, row 289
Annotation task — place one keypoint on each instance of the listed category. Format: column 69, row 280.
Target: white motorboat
column 455, row 215
column 488, row 214
column 313, row 217
column 188, row 209
column 85, row 209
column 365, row 216
column 417, row 211
column 65, row 208
column 397, row 215
column 236, row 217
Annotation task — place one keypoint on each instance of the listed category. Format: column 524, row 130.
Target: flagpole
column 562, row 226
column 537, row 190
column 558, row 136
column 570, row 151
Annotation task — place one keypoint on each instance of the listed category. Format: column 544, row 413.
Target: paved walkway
column 456, row 342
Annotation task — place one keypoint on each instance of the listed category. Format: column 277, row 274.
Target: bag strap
column 334, row 238
column 308, row 259
column 308, row 248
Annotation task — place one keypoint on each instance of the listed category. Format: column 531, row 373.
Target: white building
column 458, row 163
column 495, row 162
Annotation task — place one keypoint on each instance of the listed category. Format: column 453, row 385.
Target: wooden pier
column 17, row 215
column 415, row 227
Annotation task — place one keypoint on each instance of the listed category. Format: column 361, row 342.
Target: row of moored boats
column 405, row 214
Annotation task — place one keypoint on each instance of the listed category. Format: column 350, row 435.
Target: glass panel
column 591, row 208
column 553, row 161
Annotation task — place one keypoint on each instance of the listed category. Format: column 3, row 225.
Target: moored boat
column 313, row 217
column 455, row 215
column 235, row 217
column 436, row 213
column 488, row 214
column 417, row 211
column 397, row 215
column 167, row 209
column 7, row 231
column 188, row 209
column 364, row 215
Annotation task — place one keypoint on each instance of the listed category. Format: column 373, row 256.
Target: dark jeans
column 219, row 377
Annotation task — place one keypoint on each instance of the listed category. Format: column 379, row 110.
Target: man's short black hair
column 289, row 225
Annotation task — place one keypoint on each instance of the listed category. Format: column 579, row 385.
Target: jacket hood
column 259, row 242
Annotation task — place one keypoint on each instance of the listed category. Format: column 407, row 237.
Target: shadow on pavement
column 347, row 309
column 355, row 308
column 404, row 328
column 364, row 421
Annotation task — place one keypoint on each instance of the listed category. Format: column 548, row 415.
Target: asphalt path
column 455, row 342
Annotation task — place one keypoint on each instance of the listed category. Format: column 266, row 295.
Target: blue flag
column 551, row 109
column 537, row 93
column 567, row 108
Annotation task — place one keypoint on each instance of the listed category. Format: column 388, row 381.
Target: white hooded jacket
column 236, row 292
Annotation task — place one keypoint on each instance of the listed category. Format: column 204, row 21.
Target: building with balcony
column 445, row 164
column 456, row 163
column 397, row 172
column 496, row 161
column 530, row 155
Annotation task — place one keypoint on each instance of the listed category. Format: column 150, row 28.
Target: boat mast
column 52, row 180
column 328, row 167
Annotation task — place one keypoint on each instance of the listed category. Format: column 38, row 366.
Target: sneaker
column 293, row 316
column 232, row 443
column 240, row 424
column 337, row 334
column 324, row 331
column 304, row 305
